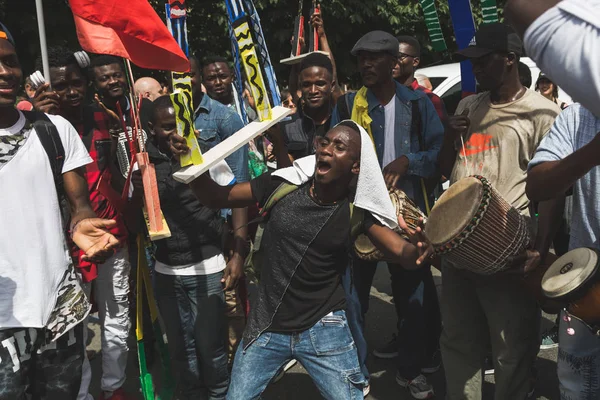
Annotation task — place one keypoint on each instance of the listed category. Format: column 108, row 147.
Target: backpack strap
column 253, row 260
column 357, row 216
column 282, row 190
column 50, row 139
column 416, row 128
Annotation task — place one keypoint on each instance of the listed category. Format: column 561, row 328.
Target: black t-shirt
column 315, row 289
column 300, row 133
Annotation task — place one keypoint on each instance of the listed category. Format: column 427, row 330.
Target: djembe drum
column 574, row 280
column 475, row 229
column 366, row 250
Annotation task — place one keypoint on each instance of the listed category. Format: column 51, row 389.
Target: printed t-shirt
column 33, row 251
column 315, row 288
column 501, row 140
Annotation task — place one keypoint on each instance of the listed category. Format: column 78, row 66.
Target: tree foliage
column 345, row 22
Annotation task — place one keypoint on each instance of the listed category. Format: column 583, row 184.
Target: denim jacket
column 421, row 163
column 216, row 122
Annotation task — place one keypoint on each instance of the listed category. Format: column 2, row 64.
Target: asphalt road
column 297, row 385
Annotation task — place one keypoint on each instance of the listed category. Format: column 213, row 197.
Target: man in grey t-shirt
column 569, row 157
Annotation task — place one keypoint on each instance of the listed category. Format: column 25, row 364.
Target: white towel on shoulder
column 371, row 192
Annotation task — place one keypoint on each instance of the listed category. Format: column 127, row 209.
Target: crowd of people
column 282, row 214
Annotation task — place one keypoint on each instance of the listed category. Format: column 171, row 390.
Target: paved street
column 297, row 385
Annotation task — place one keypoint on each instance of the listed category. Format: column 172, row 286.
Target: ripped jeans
column 326, row 351
column 111, row 290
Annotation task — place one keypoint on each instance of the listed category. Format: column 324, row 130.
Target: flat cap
column 377, row 42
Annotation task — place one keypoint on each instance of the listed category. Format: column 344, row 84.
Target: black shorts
column 31, row 364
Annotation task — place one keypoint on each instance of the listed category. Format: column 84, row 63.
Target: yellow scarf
column 360, row 112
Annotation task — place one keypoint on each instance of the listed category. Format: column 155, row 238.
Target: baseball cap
column 491, row 38
column 5, row 34
column 377, row 42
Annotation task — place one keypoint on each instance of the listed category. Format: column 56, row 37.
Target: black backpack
column 50, row 139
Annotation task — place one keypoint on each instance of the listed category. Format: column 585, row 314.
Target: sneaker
column 118, row 394
column 531, row 393
column 434, row 364
column 281, row 372
column 419, row 387
column 366, row 389
column 488, row 366
column 550, row 338
column 290, row 364
column 390, row 350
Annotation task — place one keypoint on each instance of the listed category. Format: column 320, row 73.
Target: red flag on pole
column 129, row 29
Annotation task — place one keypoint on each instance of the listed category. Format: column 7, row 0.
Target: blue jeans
column 578, row 360
column 356, row 320
column 326, row 351
column 193, row 310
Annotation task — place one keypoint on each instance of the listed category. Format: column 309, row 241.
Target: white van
column 445, row 80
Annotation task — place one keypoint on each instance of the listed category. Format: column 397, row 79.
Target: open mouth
column 323, row 167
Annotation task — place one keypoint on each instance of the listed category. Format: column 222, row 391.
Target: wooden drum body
column 366, row 250
column 574, row 280
column 475, row 229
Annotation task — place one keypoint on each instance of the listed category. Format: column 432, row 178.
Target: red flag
column 129, row 29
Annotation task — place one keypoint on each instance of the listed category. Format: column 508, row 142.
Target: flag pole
column 42, row 30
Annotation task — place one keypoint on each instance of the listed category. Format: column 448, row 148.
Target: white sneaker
column 290, row 364
column 281, row 372
column 419, row 387
column 366, row 390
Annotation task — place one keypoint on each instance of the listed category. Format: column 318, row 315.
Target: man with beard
column 41, row 303
column 407, row 134
column 501, row 129
column 112, row 285
column 299, row 311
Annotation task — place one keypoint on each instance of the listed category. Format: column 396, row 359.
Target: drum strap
column 427, row 185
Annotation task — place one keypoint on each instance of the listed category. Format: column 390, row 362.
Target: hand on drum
column 395, row 171
column 524, row 263
column 419, row 239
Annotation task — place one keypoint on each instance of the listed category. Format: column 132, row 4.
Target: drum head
column 570, row 272
column 363, row 245
column 454, row 210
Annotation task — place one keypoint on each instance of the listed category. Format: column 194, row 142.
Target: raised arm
column 316, row 20
column 209, row 192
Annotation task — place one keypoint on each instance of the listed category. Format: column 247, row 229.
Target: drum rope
column 464, row 149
